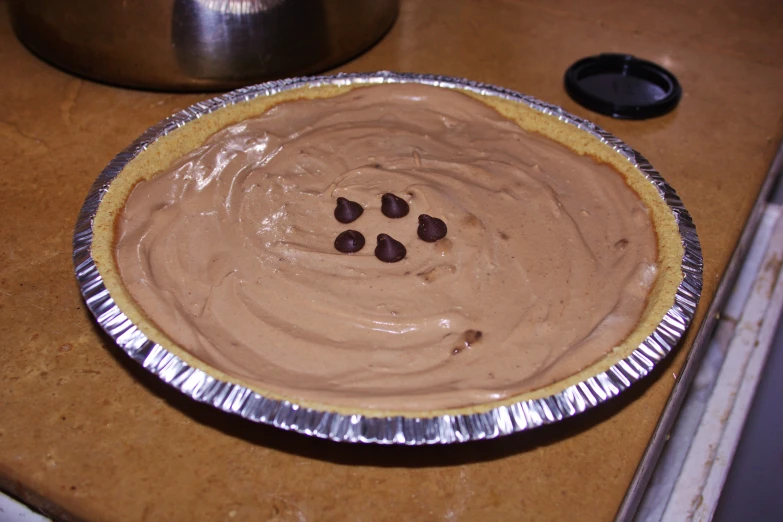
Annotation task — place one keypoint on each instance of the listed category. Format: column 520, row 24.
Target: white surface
column 752, row 490
column 13, row 511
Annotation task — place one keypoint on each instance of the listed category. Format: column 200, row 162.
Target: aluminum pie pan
column 501, row 420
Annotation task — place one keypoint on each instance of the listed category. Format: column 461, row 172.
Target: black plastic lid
column 622, row 86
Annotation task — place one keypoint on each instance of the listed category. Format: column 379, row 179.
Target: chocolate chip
column 389, row 250
column 349, row 242
column 347, row 210
column 393, row 207
column 431, row 229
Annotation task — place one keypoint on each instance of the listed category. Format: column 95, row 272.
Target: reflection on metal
column 239, row 7
column 199, row 45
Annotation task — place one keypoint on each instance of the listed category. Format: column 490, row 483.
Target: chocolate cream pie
column 533, row 255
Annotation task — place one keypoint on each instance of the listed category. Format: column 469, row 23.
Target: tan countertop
column 88, row 435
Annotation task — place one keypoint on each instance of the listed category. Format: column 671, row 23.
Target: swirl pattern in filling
column 546, row 265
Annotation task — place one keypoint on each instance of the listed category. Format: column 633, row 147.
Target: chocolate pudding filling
column 531, row 262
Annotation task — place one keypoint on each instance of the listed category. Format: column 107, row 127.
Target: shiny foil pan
column 410, row 430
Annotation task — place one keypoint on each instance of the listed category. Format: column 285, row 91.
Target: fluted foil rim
column 408, row 430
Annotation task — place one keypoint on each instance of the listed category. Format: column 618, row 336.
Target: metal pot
column 199, row 45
